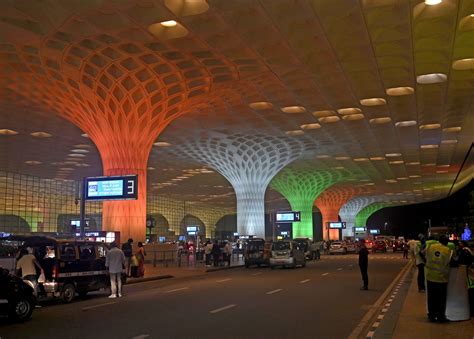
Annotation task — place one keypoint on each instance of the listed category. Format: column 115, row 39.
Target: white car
column 337, row 247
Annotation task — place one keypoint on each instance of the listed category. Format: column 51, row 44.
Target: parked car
column 287, row 253
column 351, row 247
column 337, row 247
column 397, row 245
column 70, row 266
column 379, row 245
column 257, row 252
column 305, row 244
column 17, row 298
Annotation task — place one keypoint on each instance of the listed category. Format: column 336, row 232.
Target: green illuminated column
column 301, row 186
column 366, row 212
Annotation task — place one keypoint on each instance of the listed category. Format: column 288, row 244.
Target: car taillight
column 55, row 272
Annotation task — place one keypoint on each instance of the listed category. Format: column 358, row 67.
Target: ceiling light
column 433, row 2
column 449, row 141
column 310, row 126
column 452, row 129
column 85, row 135
column 66, row 169
column 293, row 109
column 378, row 121
column 338, row 167
column 327, row 120
column 82, row 146
column 206, row 171
column 391, row 181
column 161, row 144
column 396, row 162
column 79, row 150
column 377, row 158
column 463, row 64
column 41, row 135
column 169, row 23
column 441, row 172
column 352, row 117
column 349, row 110
column 430, row 146
column 342, row 158
column 295, row 132
column 444, row 166
column 392, row 155
column 430, row 126
column 32, row 162
column 7, row 132
column 76, row 155
column 325, row 113
column 399, row 91
column 414, row 176
column 150, row 168
column 322, row 156
column 433, row 78
column 361, row 159
column 402, row 178
column 260, row 105
column 413, row 163
column 82, row 165
column 405, row 123
column 429, row 164
column 373, row 102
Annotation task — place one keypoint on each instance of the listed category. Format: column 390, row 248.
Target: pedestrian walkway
column 183, row 269
column 413, row 322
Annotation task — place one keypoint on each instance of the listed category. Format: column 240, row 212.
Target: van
column 70, row 266
column 257, row 252
column 287, row 253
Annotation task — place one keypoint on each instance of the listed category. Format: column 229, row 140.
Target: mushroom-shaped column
column 350, row 209
column 366, row 212
column 301, row 186
column 329, row 203
column 249, row 163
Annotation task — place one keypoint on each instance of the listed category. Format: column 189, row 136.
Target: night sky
column 411, row 220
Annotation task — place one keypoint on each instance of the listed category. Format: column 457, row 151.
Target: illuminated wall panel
column 366, row 212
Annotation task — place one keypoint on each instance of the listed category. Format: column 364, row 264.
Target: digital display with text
column 288, row 217
column 112, row 188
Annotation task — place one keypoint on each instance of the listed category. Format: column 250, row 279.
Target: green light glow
column 301, row 187
column 366, row 212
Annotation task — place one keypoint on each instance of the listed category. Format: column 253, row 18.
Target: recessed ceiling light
column 7, row 132
column 32, row 162
column 440, row 172
column 463, row 64
column 429, row 164
column 433, row 2
column 338, row 167
column 82, row 165
column 342, row 158
column 352, row 117
column 377, row 158
column 433, row 78
column 82, row 146
column 452, row 129
column 295, row 132
column 430, row 126
column 429, row 146
column 76, row 155
column 405, row 123
column 79, row 150
column 150, row 168
column 161, row 144
column 392, row 155
column 349, row 110
column 293, row 109
column 331, row 119
column 325, row 113
column 444, row 166
column 261, row 105
column 41, row 135
column 310, row 126
column 383, row 120
column 396, row 162
column 322, row 156
column 414, row 176
column 402, row 178
column 399, row 91
column 449, row 141
column 169, row 23
column 66, row 169
column 373, row 102
column 391, row 181
column 361, row 159
column 413, row 163
column 206, row 171
column 85, row 135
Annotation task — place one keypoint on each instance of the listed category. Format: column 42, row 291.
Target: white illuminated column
column 350, row 209
column 248, row 162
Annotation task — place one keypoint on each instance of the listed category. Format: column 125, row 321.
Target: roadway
column 322, row 300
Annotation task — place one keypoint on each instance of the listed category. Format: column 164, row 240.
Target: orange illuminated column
column 329, row 203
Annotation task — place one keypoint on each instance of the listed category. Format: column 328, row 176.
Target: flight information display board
column 112, row 188
column 288, row 216
column 338, row 224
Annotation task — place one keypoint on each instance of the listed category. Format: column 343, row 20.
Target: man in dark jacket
column 363, row 264
column 128, row 252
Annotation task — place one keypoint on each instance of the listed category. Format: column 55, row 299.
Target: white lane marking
column 217, row 310
column 141, row 336
column 380, row 317
column 325, row 274
column 99, row 305
column 370, row 334
column 304, row 281
column 177, row 289
column 376, row 324
column 223, row 280
column 258, row 273
column 275, row 291
column 339, row 269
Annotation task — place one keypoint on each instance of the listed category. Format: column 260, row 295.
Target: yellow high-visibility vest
column 438, row 257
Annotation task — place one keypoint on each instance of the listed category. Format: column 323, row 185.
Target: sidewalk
column 186, row 269
column 413, row 322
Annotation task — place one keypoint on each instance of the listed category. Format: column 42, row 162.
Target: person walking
column 438, row 256
column 405, row 249
column 27, row 264
column 128, row 252
column 207, row 252
column 216, row 252
column 140, row 255
column 363, row 264
column 228, row 252
column 115, row 262
column 420, row 262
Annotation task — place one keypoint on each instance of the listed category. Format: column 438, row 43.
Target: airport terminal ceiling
column 380, row 90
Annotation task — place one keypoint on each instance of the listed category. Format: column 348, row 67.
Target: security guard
column 438, row 257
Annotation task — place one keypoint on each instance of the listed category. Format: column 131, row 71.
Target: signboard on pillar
column 337, row 225
column 285, row 217
column 111, row 188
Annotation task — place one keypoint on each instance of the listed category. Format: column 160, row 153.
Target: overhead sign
column 375, row 231
column 338, row 225
column 192, row 228
column 288, row 216
column 360, row 229
column 112, row 188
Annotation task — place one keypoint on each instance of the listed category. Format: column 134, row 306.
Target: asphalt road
column 322, row 300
